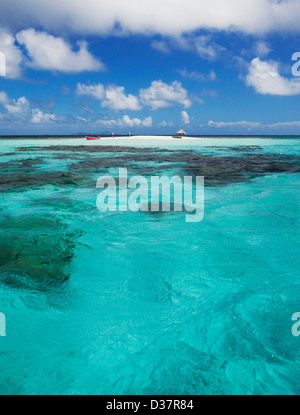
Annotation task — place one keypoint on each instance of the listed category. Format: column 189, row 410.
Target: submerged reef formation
column 36, row 249
column 37, row 245
column 85, row 161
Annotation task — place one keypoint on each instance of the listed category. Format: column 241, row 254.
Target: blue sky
column 218, row 67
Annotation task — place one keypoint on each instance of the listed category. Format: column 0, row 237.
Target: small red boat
column 92, row 138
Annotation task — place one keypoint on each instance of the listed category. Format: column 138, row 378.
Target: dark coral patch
column 85, row 163
column 38, row 249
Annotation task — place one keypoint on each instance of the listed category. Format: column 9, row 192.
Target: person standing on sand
column 128, row 134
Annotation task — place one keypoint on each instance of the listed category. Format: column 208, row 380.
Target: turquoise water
column 134, row 303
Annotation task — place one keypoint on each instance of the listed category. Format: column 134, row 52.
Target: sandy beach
column 147, row 137
column 152, row 137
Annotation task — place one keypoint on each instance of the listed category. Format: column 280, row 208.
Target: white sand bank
column 150, row 137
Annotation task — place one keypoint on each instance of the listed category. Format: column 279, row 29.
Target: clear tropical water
column 136, row 303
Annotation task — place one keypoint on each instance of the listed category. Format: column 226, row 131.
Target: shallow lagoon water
column 134, row 303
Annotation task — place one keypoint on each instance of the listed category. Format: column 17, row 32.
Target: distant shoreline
column 144, row 137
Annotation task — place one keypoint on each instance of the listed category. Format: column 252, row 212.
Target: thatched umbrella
column 179, row 134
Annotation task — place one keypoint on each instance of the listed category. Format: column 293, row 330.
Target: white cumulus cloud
column 19, row 110
column 160, row 95
column 126, row 121
column 266, row 79
column 116, row 99
column 14, row 107
column 96, row 91
column 17, row 107
column 170, row 17
column 185, row 117
column 112, row 96
column 39, row 116
column 53, row 53
column 12, row 53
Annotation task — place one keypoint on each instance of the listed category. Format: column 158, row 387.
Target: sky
column 212, row 67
